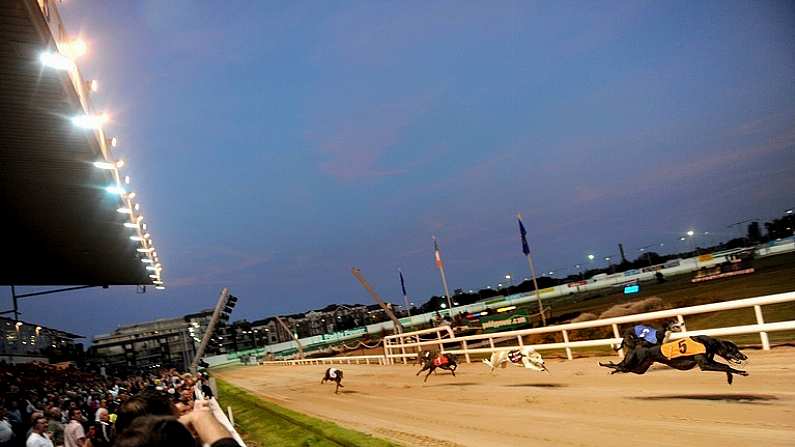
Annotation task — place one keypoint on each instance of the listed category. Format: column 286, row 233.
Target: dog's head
column 729, row 351
column 673, row 326
column 536, row 362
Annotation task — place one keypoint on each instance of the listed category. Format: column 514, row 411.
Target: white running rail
column 396, row 345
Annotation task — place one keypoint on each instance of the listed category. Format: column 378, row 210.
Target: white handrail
column 761, row 328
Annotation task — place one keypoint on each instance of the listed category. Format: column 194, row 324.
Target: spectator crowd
column 51, row 406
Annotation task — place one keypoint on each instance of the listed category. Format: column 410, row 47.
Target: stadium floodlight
column 56, row 60
column 147, row 261
column 94, row 85
column 90, row 121
column 130, row 225
column 114, row 142
column 116, row 190
column 104, row 165
column 130, row 196
column 591, row 257
column 789, row 211
column 154, row 276
column 124, row 210
column 152, row 268
column 136, row 238
column 160, row 287
column 76, row 48
column 145, row 250
column 690, row 233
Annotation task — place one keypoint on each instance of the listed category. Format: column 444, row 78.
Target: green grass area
column 262, row 423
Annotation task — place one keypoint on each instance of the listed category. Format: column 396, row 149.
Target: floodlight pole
column 16, row 297
column 210, row 329
column 294, row 336
column 358, row 274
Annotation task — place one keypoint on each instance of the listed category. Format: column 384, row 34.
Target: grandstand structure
column 70, row 215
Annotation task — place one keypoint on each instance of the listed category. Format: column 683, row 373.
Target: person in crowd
column 6, row 431
column 55, row 426
column 103, row 430
column 38, row 434
column 74, row 434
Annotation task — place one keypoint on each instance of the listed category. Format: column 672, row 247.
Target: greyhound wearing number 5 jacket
column 683, row 354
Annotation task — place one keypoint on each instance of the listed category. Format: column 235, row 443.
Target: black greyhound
column 647, row 335
column 443, row 361
column 683, row 354
column 334, row 375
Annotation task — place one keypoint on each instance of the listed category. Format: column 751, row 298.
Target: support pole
column 210, row 329
column 294, row 336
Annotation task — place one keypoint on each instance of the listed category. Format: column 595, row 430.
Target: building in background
column 23, row 342
column 160, row 343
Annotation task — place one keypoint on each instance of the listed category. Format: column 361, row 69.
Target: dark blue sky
column 274, row 145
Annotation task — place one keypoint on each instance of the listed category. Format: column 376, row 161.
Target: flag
column 437, row 254
column 402, row 284
column 523, row 233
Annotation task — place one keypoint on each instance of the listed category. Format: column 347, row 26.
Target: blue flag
column 523, row 233
column 402, row 284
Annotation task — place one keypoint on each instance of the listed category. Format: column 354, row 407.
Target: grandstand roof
column 60, row 225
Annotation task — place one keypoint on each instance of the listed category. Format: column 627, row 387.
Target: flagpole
column 440, row 264
column 535, row 282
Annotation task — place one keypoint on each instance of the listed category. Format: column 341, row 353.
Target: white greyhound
column 527, row 357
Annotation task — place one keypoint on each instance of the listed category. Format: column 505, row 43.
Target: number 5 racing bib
column 685, row 347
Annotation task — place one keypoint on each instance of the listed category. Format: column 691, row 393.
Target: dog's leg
column 706, row 365
column 427, row 375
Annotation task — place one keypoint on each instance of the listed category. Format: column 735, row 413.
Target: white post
column 566, row 342
column 681, row 321
column 439, row 337
column 231, row 416
column 402, row 350
column 762, row 335
column 491, row 343
column 617, row 335
column 466, row 352
column 519, row 339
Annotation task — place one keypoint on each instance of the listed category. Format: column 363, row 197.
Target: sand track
column 578, row 404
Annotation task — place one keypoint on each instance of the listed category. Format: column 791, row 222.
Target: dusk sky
column 275, row 145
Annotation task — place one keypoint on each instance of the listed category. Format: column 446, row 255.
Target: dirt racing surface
column 577, row 404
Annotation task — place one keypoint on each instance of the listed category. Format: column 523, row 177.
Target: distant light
column 789, row 212
column 116, row 190
column 144, row 250
column 127, row 179
column 147, row 261
column 152, row 268
column 505, row 309
column 124, row 210
column 484, row 313
column 143, row 227
column 120, row 163
column 690, row 232
column 682, row 238
column 114, row 142
column 591, row 257
column 507, row 276
column 154, row 276
column 90, row 121
column 455, row 303
column 628, row 290
column 94, row 86
column 136, row 238
column 56, row 60
column 147, row 236
column 130, row 225
column 137, row 206
column 443, row 306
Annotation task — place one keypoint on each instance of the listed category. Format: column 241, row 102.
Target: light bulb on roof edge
column 104, row 165
column 90, row 121
column 136, row 238
column 147, row 261
column 115, row 190
column 130, row 225
column 160, row 288
column 124, row 210
column 144, row 250
column 56, row 60
column 127, row 179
